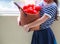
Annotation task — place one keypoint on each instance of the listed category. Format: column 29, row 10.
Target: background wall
column 11, row 33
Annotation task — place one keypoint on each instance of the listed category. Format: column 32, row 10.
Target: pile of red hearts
column 32, row 9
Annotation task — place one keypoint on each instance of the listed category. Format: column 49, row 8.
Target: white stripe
column 47, row 15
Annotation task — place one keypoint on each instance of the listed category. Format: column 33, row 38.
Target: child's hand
column 31, row 29
column 35, row 28
column 26, row 28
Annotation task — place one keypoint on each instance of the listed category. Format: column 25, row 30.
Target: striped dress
column 45, row 34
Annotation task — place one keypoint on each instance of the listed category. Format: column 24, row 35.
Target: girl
column 48, row 15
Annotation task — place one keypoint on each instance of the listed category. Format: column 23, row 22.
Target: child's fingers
column 34, row 28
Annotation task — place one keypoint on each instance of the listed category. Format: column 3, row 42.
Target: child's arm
column 38, row 21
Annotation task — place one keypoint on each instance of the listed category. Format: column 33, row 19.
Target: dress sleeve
column 50, row 11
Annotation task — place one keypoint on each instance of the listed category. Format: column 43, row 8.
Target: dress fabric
column 45, row 35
